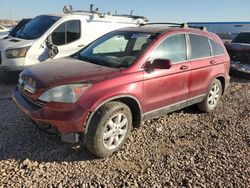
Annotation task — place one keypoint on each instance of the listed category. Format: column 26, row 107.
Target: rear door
column 167, row 87
column 202, row 65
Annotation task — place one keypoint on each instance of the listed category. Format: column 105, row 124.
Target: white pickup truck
column 58, row 35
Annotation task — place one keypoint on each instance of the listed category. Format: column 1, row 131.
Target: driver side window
column 67, row 32
column 173, row 48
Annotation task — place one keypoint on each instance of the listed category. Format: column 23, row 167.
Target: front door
column 167, row 87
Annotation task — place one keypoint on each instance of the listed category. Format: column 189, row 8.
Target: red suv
column 123, row 78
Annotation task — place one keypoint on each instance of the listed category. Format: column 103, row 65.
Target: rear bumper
column 67, row 119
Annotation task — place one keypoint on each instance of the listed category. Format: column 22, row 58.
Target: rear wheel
column 108, row 129
column 212, row 98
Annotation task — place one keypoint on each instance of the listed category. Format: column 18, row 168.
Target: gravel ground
column 183, row 149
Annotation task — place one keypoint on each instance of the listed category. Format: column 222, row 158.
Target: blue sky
column 161, row 10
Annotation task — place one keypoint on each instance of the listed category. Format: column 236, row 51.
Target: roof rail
column 166, row 23
column 69, row 10
column 132, row 16
column 203, row 28
column 182, row 25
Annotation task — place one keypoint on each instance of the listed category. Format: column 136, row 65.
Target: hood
column 240, row 47
column 12, row 43
column 67, row 70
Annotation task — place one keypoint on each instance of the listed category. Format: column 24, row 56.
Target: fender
column 216, row 76
column 96, row 106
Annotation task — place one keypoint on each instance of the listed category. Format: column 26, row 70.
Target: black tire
column 205, row 104
column 99, row 123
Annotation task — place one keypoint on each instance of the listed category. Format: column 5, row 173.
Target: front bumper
column 240, row 69
column 67, row 118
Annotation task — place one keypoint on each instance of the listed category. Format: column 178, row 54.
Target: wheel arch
column 222, row 80
column 131, row 101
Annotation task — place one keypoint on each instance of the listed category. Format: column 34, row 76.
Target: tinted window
column 173, row 48
column 59, row 35
column 199, row 46
column 73, row 30
column 36, row 27
column 19, row 26
column 242, row 38
column 216, row 48
column 66, row 33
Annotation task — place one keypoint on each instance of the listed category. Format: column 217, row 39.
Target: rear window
column 216, row 48
column 242, row 38
column 199, row 46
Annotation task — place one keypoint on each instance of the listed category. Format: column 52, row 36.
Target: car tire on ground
column 108, row 129
column 212, row 98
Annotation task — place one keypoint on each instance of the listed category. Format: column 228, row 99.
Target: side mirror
column 53, row 50
column 159, row 64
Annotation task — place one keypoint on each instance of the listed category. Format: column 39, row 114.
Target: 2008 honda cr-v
column 122, row 78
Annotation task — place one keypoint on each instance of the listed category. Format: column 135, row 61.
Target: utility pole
column 11, row 17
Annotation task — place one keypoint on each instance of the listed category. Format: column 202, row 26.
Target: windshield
column 117, row 49
column 242, row 38
column 19, row 26
column 36, row 27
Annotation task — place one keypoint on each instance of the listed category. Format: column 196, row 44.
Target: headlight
column 17, row 53
column 65, row 93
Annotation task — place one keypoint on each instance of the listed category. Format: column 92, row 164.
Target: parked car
column 239, row 51
column 55, row 36
column 122, row 78
column 3, row 31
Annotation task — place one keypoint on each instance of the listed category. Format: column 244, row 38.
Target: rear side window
column 173, row 48
column 199, row 46
column 216, row 48
column 67, row 32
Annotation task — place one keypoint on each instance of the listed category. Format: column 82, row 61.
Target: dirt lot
column 183, row 149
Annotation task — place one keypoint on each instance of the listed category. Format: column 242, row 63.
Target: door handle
column 212, row 62
column 184, row 67
column 81, row 45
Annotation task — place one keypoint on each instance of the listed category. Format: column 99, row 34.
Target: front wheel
column 212, row 98
column 108, row 129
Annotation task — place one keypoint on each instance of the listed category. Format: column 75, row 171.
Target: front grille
column 0, row 58
column 37, row 103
